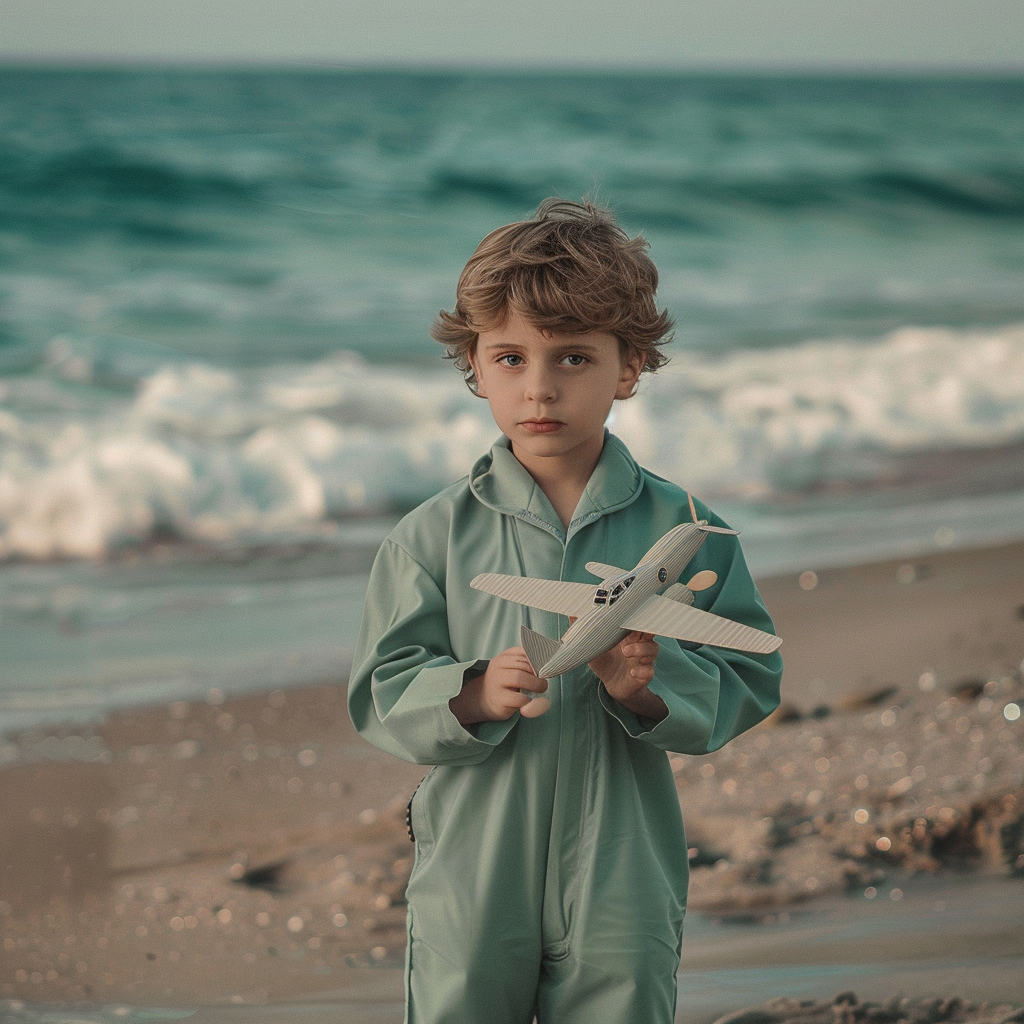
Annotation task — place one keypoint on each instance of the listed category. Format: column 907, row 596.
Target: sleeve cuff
column 634, row 724
column 423, row 715
column 687, row 726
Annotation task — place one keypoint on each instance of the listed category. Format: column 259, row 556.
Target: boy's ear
column 632, row 367
column 471, row 357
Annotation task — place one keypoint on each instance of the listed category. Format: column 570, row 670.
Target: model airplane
column 647, row 598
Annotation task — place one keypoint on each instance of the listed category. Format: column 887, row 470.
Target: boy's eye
column 575, row 359
column 511, row 359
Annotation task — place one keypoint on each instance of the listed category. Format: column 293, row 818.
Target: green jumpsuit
column 550, row 871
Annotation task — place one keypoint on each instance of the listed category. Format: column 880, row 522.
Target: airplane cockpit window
column 609, row 594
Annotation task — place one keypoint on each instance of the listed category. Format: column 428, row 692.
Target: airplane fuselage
column 616, row 598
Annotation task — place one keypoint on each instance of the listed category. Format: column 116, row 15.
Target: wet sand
column 252, row 853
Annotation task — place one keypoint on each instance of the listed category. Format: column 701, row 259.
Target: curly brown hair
column 569, row 269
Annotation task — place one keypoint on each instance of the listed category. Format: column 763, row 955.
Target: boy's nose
column 540, row 387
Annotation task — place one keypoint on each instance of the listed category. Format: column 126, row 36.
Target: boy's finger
column 637, row 637
column 535, row 708
column 644, row 651
column 516, row 659
column 513, row 656
column 528, row 681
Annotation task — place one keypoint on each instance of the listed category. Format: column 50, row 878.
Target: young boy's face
column 551, row 393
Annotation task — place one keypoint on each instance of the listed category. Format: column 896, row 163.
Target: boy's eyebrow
column 567, row 346
column 578, row 346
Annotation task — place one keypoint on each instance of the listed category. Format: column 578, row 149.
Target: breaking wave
column 107, row 446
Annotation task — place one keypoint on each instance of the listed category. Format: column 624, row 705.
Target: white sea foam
column 830, row 412
column 200, row 452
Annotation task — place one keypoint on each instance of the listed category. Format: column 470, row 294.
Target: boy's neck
column 563, row 481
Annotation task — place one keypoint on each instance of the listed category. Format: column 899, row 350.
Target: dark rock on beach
column 845, row 1008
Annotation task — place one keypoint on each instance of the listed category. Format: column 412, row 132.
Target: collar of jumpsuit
column 501, row 483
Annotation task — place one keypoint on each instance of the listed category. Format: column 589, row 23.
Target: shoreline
column 250, row 851
column 108, row 613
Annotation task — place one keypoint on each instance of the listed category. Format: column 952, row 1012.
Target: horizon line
column 854, row 69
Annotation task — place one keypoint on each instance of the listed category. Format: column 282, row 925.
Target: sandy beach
column 869, row 839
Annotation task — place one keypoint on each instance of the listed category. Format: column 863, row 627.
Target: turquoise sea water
column 215, row 290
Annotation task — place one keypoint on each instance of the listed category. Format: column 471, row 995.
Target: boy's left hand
column 627, row 669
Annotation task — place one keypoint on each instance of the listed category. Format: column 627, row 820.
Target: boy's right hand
column 507, row 686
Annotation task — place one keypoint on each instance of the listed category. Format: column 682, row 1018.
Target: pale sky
column 910, row 34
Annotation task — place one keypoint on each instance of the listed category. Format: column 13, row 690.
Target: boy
column 551, row 866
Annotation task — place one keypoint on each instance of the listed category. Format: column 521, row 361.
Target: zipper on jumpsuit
column 560, row 903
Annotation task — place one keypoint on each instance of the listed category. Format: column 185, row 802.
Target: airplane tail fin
column 539, row 648
column 702, row 524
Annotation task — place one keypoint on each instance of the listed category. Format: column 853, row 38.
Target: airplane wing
column 665, row 617
column 603, row 571
column 549, row 595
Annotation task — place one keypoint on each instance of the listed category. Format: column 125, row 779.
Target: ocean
column 218, row 391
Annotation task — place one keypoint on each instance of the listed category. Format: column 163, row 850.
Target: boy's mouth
column 540, row 426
